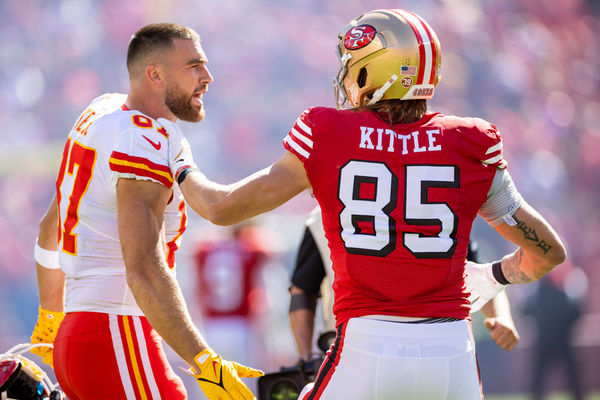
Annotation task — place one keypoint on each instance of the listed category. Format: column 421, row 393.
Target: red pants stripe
column 106, row 356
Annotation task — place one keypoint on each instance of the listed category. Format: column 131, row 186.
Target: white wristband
column 46, row 258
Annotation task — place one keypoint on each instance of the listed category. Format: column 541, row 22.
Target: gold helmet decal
column 387, row 54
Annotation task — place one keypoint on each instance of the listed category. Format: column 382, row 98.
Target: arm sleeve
column 141, row 152
column 503, row 200
column 309, row 271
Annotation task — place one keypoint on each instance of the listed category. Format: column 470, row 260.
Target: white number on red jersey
column 369, row 190
column 419, row 211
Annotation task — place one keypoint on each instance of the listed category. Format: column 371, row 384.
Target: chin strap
column 380, row 92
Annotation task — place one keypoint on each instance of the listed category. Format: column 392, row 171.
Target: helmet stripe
column 433, row 47
column 426, row 47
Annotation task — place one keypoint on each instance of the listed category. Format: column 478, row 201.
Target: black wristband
column 303, row 301
column 498, row 274
column 183, row 174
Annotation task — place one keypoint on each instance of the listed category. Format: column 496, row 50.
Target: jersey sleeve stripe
column 494, row 148
column 493, row 160
column 116, row 155
column 497, row 161
column 120, row 162
column 298, row 135
column 303, row 126
column 291, row 145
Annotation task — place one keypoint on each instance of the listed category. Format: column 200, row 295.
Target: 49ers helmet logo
column 359, row 36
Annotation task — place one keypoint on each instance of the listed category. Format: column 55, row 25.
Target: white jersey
column 108, row 142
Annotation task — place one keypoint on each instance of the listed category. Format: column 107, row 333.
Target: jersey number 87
column 84, row 157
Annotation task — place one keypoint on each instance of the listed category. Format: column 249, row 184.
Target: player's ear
column 154, row 75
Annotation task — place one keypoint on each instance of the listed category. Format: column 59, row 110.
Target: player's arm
column 302, row 320
column 51, row 280
column 260, row 192
column 540, row 248
column 500, row 323
column 141, row 206
column 51, row 284
column 307, row 277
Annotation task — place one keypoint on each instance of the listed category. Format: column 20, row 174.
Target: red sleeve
column 299, row 139
column 483, row 141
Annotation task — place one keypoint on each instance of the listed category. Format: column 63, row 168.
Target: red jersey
column 227, row 275
column 398, row 204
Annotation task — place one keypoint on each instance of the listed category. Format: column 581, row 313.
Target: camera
column 287, row 383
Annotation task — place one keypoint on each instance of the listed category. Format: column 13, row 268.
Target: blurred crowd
column 531, row 67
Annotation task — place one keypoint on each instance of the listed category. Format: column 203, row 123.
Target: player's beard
column 180, row 104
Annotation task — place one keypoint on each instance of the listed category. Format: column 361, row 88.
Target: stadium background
column 530, row 67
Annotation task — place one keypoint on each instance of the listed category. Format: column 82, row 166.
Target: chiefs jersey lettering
column 398, row 219
column 107, row 143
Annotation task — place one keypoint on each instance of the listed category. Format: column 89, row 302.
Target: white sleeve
column 141, row 152
column 503, row 200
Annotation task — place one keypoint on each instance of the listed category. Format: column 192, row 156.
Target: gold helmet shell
column 387, row 54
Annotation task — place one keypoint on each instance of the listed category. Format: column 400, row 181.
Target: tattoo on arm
column 530, row 234
column 511, row 268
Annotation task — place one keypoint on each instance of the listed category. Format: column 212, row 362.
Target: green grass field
column 553, row 396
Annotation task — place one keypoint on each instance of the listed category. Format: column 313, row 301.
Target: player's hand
column 180, row 152
column 220, row 379
column 45, row 332
column 503, row 332
column 481, row 284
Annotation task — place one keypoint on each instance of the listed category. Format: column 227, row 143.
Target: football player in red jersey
column 312, row 277
column 399, row 187
column 117, row 220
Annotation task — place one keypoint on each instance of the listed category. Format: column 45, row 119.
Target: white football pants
column 383, row 360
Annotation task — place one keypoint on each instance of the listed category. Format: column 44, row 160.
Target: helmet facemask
column 339, row 91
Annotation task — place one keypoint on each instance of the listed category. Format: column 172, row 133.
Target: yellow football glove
column 220, row 379
column 45, row 332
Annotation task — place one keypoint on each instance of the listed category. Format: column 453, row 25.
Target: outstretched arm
column 260, row 192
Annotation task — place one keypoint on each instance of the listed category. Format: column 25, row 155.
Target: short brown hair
column 154, row 39
column 397, row 111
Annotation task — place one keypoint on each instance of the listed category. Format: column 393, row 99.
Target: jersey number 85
column 368, row 191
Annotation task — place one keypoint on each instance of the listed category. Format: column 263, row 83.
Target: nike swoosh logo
column 156, row 145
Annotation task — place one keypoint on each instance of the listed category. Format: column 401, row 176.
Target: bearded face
column 186, row 107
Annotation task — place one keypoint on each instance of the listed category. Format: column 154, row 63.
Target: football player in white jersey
column 113, row 229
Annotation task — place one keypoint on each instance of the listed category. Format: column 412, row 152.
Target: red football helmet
column 22, row 379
